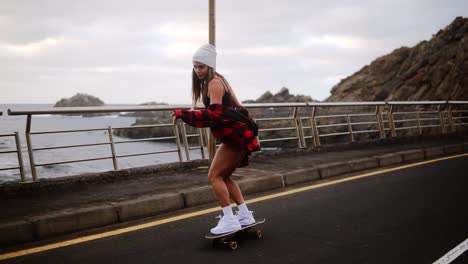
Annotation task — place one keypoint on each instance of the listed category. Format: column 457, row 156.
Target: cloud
column 269, row 51
column 139, row 68
column 339, row 41
column 129, row 53
column 36, row 48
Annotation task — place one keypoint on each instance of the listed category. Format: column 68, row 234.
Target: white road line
column 453, row 254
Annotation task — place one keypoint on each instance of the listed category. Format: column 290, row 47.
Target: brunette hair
column 200, row 87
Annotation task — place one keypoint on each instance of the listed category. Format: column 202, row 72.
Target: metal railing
column 18, row 153
column 111, row 143
column 294, row 123
column 200, row 134
column 344, row 121
column 349, row 120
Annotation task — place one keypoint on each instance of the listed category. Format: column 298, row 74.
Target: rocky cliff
column 432, row 70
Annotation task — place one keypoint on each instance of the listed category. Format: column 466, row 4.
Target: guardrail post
column 314, row 125
column 30, row 150
column 184, row 139
column 298, row 127
column 177, row 139
column 20, row 157
column 419, row 122
column 350, row 128
column 441, row 120
column 390, row 121
column 380, row 125
column 205, row 139
column 301, row 130
column 111, row 141
column 450, row 118
column 202, row 144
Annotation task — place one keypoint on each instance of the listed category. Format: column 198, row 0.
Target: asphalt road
column 412, row 215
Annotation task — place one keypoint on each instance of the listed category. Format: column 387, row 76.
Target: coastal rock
column 81, row 100
column 148, row 118
column 283, row 96
column 432, row 70
column 164, row 117
column 151, row 115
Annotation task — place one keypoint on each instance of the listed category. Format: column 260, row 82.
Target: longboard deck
column 216, row 236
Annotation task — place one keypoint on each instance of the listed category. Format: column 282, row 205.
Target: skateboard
column 230, row 239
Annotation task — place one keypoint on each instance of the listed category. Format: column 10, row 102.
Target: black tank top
column 226, row 101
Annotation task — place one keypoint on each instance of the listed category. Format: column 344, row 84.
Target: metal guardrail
column 17, row 151
column 383, row 121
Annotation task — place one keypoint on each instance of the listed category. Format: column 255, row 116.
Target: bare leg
column 232, row 186
column 224, row 163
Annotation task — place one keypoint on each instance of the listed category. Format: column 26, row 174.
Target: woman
column 231, row 124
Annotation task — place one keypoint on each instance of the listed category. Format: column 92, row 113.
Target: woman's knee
column 215, row 175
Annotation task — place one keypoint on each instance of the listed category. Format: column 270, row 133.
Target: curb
column 333, row 169
column 363, row 164
column 198, row 196
column 16, row 232
column 301, row 176
column 149, row 205
column 413, row 155
column 433, row 152
column 74, row 220
column 390, row 159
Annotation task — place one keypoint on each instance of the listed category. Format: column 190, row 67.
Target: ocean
column 11, row 124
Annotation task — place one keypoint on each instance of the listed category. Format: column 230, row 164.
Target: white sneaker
column 225, row 225
column 245, row 218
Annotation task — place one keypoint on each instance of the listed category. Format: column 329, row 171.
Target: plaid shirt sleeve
column 223, row 127
column 200, row 118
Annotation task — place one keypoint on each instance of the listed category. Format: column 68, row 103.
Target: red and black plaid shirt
column 226, row 129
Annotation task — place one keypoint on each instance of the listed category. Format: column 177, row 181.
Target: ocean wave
column 8, row 164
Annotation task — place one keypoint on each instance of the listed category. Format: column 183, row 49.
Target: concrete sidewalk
column 58, row 206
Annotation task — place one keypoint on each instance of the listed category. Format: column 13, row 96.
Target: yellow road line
column 206, row 211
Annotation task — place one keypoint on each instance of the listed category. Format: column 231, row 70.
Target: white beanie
column 206, row 54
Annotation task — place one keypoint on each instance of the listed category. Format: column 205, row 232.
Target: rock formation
column 79, row 99
column 148, row 118
column 283, row 96
column 432, row 70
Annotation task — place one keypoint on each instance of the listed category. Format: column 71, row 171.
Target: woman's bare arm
column 215, row 91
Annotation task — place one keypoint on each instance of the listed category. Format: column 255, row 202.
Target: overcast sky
column 135, row 51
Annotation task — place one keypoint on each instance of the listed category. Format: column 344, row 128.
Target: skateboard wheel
column 232, row 245
column 258, row 233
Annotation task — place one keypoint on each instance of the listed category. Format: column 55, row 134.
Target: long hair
column 200, row 87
